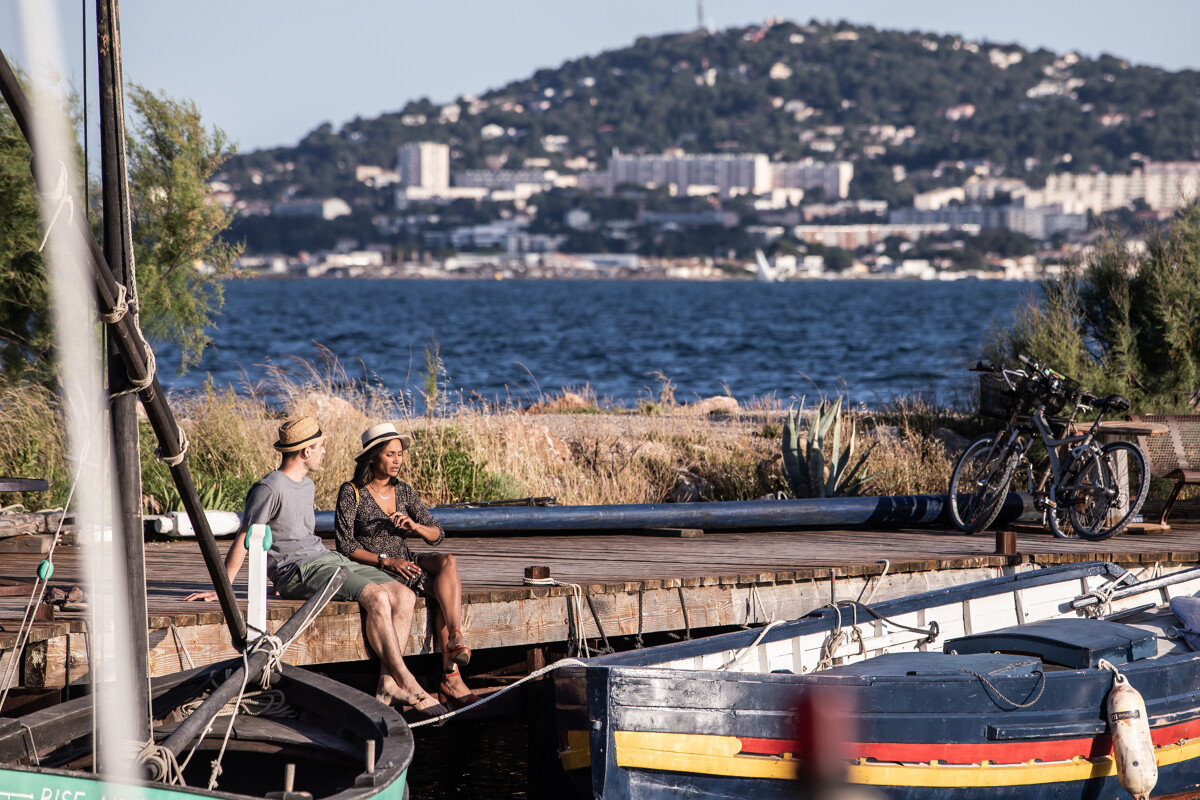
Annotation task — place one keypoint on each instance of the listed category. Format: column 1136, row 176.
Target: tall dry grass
column 567, row 446
column 32, row 445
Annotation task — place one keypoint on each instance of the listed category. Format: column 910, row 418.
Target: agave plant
column 822, row 468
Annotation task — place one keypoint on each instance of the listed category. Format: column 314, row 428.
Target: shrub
column 1123, row 321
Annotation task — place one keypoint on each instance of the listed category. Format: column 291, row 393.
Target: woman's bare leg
column 446, row 589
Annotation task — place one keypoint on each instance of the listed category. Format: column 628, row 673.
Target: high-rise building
column 424, row 165
column 723, row 174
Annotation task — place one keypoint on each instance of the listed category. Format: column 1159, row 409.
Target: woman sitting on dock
column 375, row 514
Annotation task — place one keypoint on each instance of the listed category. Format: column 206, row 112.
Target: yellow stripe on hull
column 700, row 754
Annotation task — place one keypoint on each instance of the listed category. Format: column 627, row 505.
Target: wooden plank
column 726, row 579
column 26, row 543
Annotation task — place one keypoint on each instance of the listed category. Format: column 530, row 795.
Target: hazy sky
column 268, row 71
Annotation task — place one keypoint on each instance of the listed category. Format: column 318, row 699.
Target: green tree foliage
column 178, row 248
column 1124, row 321
column 25, row 335
column 177, row 245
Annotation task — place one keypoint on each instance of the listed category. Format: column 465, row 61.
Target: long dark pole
column 114, row 176
column 876, row 513
column 135, row 354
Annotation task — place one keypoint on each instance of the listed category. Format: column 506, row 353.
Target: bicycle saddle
column 1114, row 403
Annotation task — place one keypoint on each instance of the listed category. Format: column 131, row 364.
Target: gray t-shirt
column 287, row 506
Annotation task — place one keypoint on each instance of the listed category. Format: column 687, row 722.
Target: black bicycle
column 1085, row 489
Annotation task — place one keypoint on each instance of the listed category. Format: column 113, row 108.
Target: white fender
column 1133, row 749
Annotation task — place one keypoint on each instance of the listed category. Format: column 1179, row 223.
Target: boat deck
column 648, row 582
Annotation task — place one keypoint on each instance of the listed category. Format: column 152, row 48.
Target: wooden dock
column 647, row 583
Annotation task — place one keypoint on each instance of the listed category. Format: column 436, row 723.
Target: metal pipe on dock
column 879, row 513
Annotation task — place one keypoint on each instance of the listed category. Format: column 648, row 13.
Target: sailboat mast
column 118, row 251
column 133, row 350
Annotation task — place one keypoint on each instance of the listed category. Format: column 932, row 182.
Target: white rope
column 1118, row 678
column 162, row 762
column 837, row 637
column 267, row 703
column 733, row 662
column 182, row 648
column 12, row 509
column 120, row 309
column 566, row 662
column 62, row 195
column 580, row 645
column 145, row 383
column 886, row 566
column 274, row 661
column 216, row 762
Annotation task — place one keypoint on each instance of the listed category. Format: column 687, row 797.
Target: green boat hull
column 33, row 783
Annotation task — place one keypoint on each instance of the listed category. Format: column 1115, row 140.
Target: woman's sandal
column 460, row 655
column 452, row 702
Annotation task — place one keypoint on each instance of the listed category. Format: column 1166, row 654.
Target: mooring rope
column 606, row 648
column 576, row 641
column 638, row 643
column 182, row 648
column 733, row 662
column 565, row 662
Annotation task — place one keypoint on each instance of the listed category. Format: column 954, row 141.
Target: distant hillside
column 785, row 90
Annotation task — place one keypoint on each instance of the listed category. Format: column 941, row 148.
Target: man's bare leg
column 378, row 602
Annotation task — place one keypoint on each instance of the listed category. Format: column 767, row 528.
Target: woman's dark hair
column 362, row 465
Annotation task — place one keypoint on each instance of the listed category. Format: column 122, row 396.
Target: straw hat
column 298, row 433
column 383, row 432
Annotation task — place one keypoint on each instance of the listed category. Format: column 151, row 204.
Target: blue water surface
column 515, row 339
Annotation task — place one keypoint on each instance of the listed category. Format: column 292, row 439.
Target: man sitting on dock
column 299, row 564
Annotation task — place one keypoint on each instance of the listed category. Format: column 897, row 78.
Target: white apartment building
column 1164, row 186
column 505, row 178
column 727, row 175
column 424, row 165
column 327, row 208
column 832, row 176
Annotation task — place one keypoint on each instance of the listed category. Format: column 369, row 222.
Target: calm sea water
column 515, row 339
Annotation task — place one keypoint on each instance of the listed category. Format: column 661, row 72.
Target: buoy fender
column 1133, row 749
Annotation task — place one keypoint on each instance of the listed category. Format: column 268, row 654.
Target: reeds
column 568, row 445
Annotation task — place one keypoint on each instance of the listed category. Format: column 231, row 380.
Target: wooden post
column 123, row 409
column 1006, row 543
column 537, row 573
column 258, row 541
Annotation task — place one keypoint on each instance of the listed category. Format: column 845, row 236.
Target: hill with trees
column 883, row 99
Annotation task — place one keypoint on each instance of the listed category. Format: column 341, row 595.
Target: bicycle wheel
column 1109, row 492
column 980, row 483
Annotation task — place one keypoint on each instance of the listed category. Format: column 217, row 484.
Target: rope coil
column 119, row 310
column 576, row 641
column 137, row 386
column 177, row 459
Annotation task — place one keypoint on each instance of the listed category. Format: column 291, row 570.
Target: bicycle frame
column 1038, row 424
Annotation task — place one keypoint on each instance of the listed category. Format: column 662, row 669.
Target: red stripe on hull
column 975, row 752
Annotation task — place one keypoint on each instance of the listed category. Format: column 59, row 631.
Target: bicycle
column 1086, row 488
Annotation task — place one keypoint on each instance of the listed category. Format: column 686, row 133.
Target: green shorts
column 311, row 576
